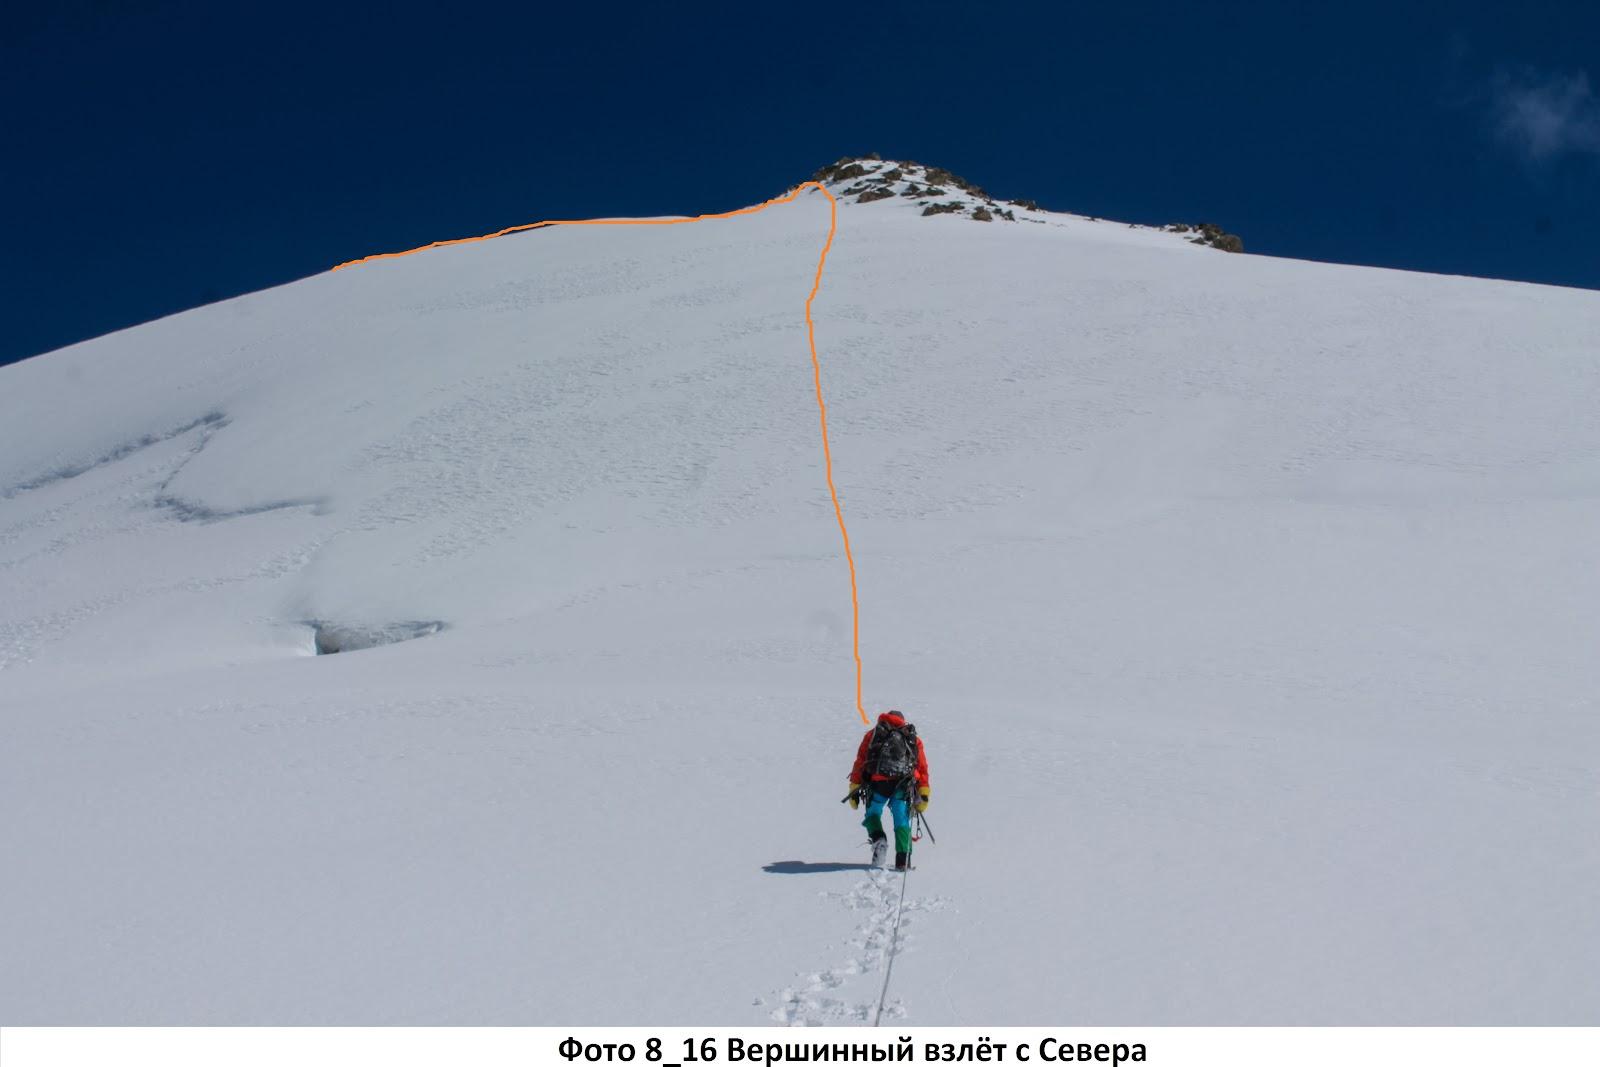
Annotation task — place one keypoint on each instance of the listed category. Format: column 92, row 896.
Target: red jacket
column 892, row 718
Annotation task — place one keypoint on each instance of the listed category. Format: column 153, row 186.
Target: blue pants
column 899, row 809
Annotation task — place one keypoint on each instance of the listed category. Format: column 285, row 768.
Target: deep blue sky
column 161, row 155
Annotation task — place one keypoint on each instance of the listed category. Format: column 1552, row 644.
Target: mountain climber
column 891, row 770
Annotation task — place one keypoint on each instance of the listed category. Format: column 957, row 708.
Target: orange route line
column 811, row 338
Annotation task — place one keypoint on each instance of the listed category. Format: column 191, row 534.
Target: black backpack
column 893, row 752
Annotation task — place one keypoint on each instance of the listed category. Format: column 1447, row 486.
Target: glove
column 922, row 800
column 855, row 795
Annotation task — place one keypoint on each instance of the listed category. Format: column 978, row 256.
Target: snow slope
column 1248, row 608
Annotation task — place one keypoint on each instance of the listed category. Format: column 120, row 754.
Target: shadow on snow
column 802, row 867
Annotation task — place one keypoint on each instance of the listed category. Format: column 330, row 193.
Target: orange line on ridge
column 811, row 338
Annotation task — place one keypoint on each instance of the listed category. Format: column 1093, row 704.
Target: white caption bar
column 770, row 1047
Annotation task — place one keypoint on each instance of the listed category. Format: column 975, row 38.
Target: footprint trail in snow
column 817, row 999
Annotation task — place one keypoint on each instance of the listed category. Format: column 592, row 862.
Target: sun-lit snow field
column 1248, row 608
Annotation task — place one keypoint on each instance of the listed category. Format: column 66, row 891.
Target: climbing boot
column 880, row 845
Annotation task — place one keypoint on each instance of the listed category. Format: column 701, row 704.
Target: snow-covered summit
column 933, row 191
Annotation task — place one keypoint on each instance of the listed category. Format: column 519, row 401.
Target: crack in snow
column 210, row 422
column 189, row 511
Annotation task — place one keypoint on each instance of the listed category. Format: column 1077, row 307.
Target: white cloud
column 1545, row 116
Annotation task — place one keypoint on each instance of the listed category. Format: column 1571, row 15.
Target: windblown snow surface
column 1248, row 608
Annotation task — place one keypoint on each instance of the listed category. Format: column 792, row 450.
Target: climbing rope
column 894, row 938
